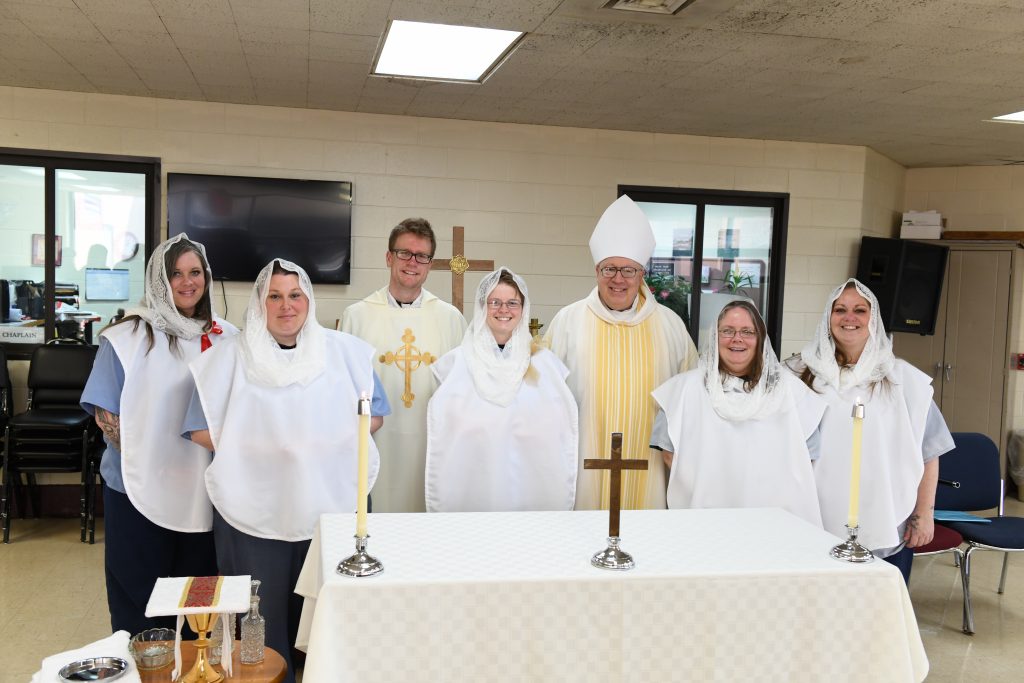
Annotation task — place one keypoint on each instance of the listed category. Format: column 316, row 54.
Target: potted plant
column 673, row 292
column 735, row 280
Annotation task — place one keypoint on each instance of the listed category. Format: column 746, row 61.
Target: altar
column 716, row 595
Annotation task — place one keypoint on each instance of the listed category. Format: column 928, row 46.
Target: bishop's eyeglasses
column 628, row 272
column 405, row 255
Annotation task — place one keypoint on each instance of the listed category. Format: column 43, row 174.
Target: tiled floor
column 52, row 599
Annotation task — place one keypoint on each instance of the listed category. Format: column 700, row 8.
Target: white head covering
column 623, row 230
column 265, row 361
column 876, row 361
column 157, row 305
column 497, row 373
column 761, row 401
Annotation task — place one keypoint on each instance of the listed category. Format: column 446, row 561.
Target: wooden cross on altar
column 459, row 264
column 616, row 464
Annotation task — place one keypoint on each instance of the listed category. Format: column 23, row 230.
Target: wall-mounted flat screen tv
column 245, row 222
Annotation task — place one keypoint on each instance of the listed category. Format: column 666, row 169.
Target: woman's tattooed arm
column 111, row 426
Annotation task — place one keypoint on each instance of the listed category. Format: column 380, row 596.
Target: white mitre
column 623, row 231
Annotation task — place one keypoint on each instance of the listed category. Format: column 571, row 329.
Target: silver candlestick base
column 361, row 563
column 850, row 550
column 613, row 557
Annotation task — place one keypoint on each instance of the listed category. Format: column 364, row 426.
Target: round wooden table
column 271, row 670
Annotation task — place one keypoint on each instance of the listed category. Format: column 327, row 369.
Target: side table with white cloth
column 717, row 595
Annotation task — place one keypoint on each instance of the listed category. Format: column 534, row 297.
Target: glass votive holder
column 152, row 649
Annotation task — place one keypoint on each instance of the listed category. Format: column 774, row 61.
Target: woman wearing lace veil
column 502, row 429
column 157, row 514
column 278, row 405
column 851, row 358
column 735, row 430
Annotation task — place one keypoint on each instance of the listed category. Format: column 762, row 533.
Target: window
column 75, row 233
column 714, row 246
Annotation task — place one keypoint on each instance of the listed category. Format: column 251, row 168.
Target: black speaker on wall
column 906, row 276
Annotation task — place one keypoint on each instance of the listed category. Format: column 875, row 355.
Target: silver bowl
column 94, row 669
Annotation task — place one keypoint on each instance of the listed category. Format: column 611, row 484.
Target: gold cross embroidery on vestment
column 407, row 358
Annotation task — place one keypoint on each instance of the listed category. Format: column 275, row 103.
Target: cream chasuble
column 614, row 365
column 406, row 342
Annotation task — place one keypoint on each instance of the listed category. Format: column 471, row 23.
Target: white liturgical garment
column 484, row 457
column 162, row 473
column 284, row 455
column 757, row 462
column 895, row 438
column 892, row 443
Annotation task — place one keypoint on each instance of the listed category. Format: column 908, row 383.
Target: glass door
column 715, row 246
column 75, row 233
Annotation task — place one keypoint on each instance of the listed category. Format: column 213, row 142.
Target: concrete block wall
column 528, row 196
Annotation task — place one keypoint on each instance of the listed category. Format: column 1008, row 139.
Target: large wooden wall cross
column 459, row 264
column 616, row 464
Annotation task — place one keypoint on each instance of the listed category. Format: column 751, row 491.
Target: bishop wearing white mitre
column 410, row 329
column 619, row 345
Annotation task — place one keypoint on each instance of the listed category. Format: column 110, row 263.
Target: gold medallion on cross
column 459, row 265
column 407, row 359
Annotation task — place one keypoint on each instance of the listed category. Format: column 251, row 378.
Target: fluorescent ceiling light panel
column 652, row 6
column 442, row 52
column 1016, row 117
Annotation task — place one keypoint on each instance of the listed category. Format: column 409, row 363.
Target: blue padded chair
column 975, row 464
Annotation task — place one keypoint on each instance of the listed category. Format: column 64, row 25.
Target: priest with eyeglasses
column 410, row 329
column 619, row 345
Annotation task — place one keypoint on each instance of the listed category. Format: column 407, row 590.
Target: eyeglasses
column 511, row 304
column 405, row 255
column 730, row 332
column 628, row 272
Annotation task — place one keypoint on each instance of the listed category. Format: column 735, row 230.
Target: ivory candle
column 858, row 426
column 364, row 469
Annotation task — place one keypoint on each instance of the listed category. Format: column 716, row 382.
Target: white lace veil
column 767, row 395
column 497, row 375
column 157, row 305
column 265, row 362
column 876, row 361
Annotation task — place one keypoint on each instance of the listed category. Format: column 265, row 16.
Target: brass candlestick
column 202, row 671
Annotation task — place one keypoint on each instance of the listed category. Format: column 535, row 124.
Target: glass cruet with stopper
column 254, row 629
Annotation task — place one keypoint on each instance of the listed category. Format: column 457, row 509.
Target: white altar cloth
column 717, row 595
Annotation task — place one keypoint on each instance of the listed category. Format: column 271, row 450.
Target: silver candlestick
column 850, row 550
column 361, row 563
column 613, row 557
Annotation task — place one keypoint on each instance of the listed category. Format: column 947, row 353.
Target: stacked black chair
column 6, row 395
column 975, row 464
column 54, row 434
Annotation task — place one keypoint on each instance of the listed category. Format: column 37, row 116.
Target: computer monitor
column 106, row 284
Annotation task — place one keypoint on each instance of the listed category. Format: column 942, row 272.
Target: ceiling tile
column 107, row 20
column 202, row 10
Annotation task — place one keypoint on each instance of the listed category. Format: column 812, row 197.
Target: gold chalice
column 202, row 671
